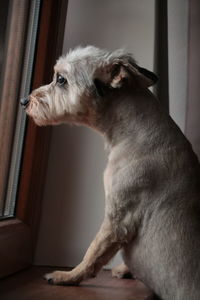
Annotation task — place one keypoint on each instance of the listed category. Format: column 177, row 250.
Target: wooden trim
column 17, row 252
column 18, row 237
column 161, row 53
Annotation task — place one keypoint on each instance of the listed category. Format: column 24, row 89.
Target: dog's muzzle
column 25, row 101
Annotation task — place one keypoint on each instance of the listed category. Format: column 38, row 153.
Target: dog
column 152, row 179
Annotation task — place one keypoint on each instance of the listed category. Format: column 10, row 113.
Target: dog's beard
column 43, row 115
column 39, row 112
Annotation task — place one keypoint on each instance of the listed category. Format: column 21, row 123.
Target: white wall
column 73, row 205
column 178, row 59
column 193, row 104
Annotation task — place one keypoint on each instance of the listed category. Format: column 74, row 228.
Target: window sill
column 30, row 285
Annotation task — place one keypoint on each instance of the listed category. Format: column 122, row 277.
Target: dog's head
column 83, row 79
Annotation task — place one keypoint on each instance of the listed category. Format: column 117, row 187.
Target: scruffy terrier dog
column 152, row 180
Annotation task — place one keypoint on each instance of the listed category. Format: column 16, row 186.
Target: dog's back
column 165, row 253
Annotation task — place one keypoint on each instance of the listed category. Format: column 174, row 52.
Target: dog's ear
column 101, row 88
column 120, row 70
column 124, row 68
column 119, row 75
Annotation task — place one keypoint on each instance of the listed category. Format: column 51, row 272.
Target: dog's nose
column 25, row 101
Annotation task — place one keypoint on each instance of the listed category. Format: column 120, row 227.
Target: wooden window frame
column 18, row 236
column 10, row 85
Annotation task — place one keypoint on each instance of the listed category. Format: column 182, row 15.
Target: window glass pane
column 18, row 39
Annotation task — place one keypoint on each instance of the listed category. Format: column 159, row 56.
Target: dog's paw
column 61, row 278
column 121, row 271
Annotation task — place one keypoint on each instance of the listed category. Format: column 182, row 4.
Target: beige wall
column 193, row 103
column 73, row 205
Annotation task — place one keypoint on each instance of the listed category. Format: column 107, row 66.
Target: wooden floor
column 29, row 285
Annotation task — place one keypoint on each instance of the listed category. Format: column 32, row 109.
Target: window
column 27, row 34
column 18, row 36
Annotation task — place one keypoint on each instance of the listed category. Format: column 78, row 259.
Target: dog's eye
column 61, row 80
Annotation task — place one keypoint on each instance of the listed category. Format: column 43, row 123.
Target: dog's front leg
column 101, row 250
